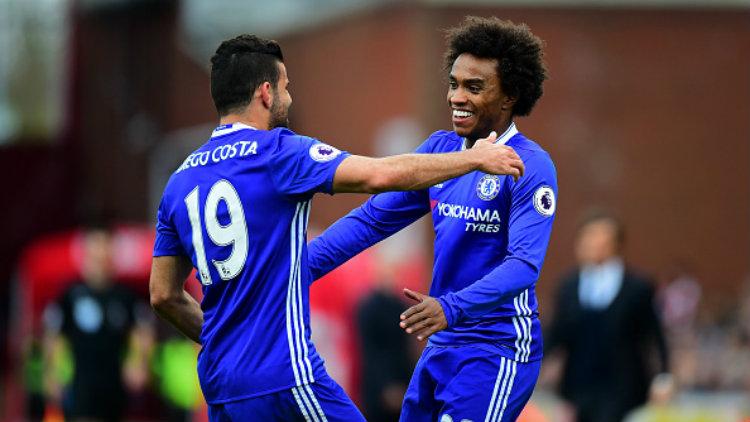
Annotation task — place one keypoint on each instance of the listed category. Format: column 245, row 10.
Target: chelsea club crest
column 488, row 187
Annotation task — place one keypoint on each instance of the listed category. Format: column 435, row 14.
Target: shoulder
column 638, row 281
column 441, row 140
column 570, row 279
column 285, row 138
column 539, row 168
column 527, row 149
column 290, row 142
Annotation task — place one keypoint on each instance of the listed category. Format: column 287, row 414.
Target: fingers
column 517, row 162
column 517, row 169
column 420, row 325
column 411, row 312
column 499, row 159
column 486, row 142
column 510, row 163
column 417, row 326
column 426, row 332
column 519, row 165
column 414, row 316
column 423, row 319
column 415, row 296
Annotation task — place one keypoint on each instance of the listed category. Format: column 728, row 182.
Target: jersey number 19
column 234, row 233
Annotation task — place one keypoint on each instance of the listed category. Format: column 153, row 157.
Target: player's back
column 238, row 207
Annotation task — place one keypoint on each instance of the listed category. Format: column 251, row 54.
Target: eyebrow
column 479, row 81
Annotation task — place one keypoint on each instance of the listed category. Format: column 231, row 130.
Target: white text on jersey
column 223, row 152
column 478, row 217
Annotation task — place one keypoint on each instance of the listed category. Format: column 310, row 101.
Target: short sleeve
column 167, row 241
column 303, row 166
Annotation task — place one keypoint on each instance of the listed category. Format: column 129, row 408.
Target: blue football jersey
column 491, row 236
column 238, row 207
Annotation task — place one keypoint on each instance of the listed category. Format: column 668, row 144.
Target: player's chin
column 462, row 131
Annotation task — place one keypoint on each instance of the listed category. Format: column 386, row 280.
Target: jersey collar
column 230, row 128
column 502, row 139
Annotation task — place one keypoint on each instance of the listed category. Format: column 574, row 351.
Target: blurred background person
column 387, row 363
column 105, row 329
column 678, row 300
column 607, row 326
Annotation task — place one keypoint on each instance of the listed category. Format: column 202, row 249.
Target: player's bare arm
column 169, row 298
column 419, row 171
column 425, row 318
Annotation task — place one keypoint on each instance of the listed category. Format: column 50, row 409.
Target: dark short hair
column 597, row 215
column 238, row 67
column 519, row 55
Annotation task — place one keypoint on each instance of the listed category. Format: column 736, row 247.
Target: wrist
column 475, row 158
column 447, row 311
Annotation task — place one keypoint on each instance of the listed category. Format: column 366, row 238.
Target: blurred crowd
column 100, row 354
column 709, row 340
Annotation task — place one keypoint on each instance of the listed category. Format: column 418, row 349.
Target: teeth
column 462, row 113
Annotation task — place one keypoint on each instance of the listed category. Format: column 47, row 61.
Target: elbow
column 158, row 301
column 527, row 268
column 161, row 300
column 382, row 181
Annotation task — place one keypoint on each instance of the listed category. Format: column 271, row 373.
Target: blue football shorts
column 323, row 400
column 468, row 384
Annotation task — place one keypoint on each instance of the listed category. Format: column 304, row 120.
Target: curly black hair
column 519, row 55
column 238, row 67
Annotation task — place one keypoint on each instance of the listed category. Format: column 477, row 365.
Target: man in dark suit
column 607, row 326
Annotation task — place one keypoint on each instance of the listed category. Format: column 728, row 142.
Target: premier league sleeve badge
column 544, row 201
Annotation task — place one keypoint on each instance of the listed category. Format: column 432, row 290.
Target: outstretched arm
column 169, row 298
column 378, row 218
column 419, row 171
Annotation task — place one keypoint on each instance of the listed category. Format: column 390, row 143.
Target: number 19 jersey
column 238, row 208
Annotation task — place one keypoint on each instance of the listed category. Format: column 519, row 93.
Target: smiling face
column 477, row 101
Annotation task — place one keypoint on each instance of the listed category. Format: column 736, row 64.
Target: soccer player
column 237, row 210
column 491, row 234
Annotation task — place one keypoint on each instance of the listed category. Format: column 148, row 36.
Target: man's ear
column 508, row 102
column 266, row 94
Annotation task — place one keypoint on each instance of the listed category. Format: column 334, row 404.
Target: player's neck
column 500, row 129
column 246, row 118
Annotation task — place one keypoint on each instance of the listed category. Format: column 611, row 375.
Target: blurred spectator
column 386, row 361
column 606, row 323
column 99, row 322
column 679, row 299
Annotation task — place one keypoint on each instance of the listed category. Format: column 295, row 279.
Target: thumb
column 413, row 295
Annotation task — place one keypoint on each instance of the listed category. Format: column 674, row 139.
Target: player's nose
column 457, row 97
